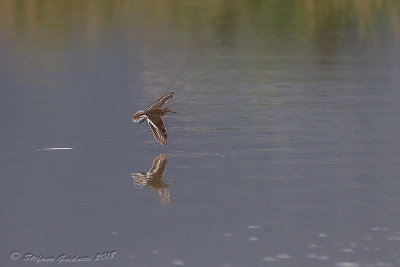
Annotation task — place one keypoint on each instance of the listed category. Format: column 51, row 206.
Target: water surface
column 284, row 151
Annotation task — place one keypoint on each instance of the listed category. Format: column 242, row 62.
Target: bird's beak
column 173, row 112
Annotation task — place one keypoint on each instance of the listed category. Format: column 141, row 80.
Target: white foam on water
column 55, row 148
column 283, row 256
column 253, row 238
column 378, row 229
column 229, row 235
column 322, row 235
column 347, row 264
column 178, row 262
column 315, row 256
column 268, row 258
column 253, row 227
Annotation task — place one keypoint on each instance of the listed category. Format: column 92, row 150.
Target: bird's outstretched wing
column 164, row 99
column 158, row 128
column 159, row 165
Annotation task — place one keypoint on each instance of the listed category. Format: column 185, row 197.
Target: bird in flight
column 154, row 115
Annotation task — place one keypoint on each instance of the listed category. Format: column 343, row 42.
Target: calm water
column 285, row 150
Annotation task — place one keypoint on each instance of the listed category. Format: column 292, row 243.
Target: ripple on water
column 347, row 264
column 284, row 256
column 394, row 238
column 317, row 257
column 378, row 229
column 383, row 264
column 347, row 250
column 178, row 262
column 269, row 259
column 54, row 148
column 322, row 235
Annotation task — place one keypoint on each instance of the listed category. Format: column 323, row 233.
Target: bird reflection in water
column 153, row 179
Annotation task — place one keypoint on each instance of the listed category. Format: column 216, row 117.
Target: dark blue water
column 284, row 150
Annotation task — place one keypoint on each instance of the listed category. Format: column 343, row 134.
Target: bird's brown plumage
column 153, row 116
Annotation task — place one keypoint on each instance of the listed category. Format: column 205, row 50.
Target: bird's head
column 169, row 110
column 137, row 116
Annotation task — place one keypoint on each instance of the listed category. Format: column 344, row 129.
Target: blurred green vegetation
column 197, row 21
